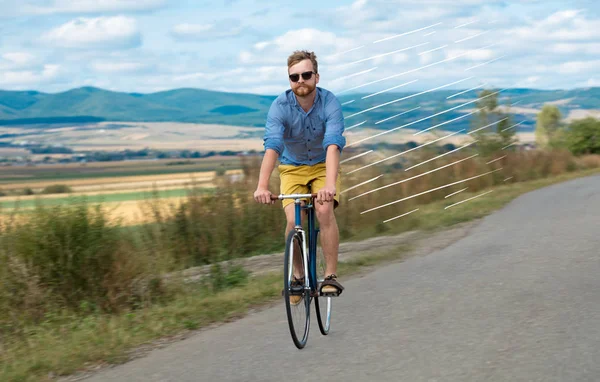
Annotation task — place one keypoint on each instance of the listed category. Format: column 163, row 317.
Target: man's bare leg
column 291, row 223
column 330, row 238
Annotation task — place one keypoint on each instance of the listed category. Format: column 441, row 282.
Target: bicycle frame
column 310, row 265
column 310, row 253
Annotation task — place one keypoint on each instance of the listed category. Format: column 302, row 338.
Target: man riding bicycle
column 304, row 130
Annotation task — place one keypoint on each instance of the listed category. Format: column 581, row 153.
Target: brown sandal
column 296, row 286
column 333, row 287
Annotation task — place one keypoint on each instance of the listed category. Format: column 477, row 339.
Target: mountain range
column 89, row 104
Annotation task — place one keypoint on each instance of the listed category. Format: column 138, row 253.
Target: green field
column 106, row 198
column 113, row 169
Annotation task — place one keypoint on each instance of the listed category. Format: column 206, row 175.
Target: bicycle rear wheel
column 297, row 300
column 323, row 304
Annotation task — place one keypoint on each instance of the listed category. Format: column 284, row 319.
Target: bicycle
column 312, row 265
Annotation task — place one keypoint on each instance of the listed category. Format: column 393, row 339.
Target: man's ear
column 317, row 78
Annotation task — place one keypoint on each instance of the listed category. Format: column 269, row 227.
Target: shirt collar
column 295, row 101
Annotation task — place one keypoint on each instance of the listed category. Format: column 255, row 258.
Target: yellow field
column 134, row 212
column 131, row 211
column 119, row 183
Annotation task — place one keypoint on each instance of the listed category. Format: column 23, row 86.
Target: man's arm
column 332, row 164
column 333, row 143
column 273, row 143
column 266, row 169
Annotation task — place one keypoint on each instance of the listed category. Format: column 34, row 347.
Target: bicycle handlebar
column 293, row 196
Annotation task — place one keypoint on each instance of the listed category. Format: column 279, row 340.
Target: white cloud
column 94, row 6
column 118, row 67
column 399, row 58
column 307, row 38
column 24, row 79
column 593, row 82
column 117, row 32
column 245, row 57
column 574, row 48
column 261, row 45
column 191, row 29
column 276, row 51
column 567, row 25
column 578, row 66
column 17, row 60
column 225, row 28
column 473, row 54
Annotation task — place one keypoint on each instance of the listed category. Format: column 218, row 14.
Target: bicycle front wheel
column 322, row 303
column 297, row 299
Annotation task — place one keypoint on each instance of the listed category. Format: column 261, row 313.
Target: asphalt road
column 518, row 299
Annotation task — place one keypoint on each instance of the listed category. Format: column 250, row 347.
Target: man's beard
column 304, row 90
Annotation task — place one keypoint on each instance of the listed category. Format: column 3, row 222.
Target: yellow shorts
column 295, row 180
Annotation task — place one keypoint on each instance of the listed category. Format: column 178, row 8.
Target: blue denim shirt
column 302, row 138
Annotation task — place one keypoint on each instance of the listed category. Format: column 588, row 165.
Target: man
column 304, row 130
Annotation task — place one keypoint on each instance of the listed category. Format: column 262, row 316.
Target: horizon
column 275, row 95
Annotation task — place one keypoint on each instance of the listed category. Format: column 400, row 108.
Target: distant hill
column 89, row 105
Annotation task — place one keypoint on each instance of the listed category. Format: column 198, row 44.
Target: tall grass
column 78, row 258
column 72, row 266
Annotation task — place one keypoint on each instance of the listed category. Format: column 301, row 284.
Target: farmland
column 119, row 186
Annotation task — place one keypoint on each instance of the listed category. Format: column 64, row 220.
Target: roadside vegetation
column 79, row 287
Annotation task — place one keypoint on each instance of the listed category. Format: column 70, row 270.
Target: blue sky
column 242, row 45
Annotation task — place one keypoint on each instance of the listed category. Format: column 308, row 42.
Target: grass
column 64, row 343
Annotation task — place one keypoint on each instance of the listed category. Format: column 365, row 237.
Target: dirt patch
column 421, row 243
column 581, row 114
column 565, row 101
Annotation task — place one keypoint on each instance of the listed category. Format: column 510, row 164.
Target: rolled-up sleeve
column 273, row 138
column 334, row 125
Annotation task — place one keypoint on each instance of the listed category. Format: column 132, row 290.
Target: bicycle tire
column 298, row 315
column 323, row 304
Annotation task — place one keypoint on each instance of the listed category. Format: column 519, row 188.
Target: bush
column 57, row 189
column 583, row 136
column 66, row 257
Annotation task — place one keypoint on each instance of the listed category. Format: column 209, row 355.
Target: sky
column 242, row 46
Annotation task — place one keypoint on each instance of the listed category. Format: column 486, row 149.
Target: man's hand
column 325, row 194
column 262, row 195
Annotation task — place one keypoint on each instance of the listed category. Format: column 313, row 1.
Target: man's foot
column 330, row 286
column 297, row 283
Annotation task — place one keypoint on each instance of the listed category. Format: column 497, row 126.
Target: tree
column 548, row 127
column 583, row 136
column 492, row 128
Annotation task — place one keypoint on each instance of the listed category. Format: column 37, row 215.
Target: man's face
column 303, row 87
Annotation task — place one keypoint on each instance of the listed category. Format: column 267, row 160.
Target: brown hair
column 301, row 55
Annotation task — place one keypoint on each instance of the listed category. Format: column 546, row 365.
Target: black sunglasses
column 305, row 76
